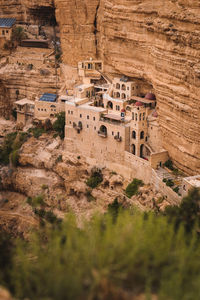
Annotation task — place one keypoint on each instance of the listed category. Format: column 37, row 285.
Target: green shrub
column 132, row 188
column 18, row 34
column 95, row 179
column 37, row 132
column 14, row 158
column 170, row 183
column 134, row 255
column 36, row 201
column 59, row 124
column 169, row 164
column 176, row 189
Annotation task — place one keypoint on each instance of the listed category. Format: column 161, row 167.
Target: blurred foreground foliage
column 112, row 258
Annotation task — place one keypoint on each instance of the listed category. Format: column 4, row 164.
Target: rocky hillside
column 60, row 178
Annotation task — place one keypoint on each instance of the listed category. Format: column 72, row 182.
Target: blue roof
column 48, row 97
column 7, row 22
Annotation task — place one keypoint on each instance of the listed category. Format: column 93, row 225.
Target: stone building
column 25, row 111
column 47, row 106
column 110, row 125
column 189, row 183
column 6, row 26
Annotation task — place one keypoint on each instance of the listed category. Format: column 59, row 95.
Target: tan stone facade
column 48, row 110
column 25, row 111
column 104, row 122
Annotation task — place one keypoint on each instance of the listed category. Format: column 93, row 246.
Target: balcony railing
column 118, row 138
column 102, row 134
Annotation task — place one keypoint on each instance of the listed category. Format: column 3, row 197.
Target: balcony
column 78, row 128
column 118, row 138
column 102, row 134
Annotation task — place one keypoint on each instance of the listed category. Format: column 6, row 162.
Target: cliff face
column 77, row 20
column 22, row 10
column 155, row 41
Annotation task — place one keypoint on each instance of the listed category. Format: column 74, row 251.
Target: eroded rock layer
column 155, row 41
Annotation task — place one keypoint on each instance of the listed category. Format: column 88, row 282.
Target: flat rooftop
column 84, row 86
column 7, row 22
column 47, row 97
column 24, row 101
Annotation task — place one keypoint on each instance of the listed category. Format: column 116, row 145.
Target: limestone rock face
column 77, row 20
column 156, row 42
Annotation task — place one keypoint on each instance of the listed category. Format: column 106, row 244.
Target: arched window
column 133, row 134
column 123, row 87
column 117, row 95
column 136, row 117
column 123, row 96
column 110, row 105
column 103, row 130
column 140, row 117
column 117, row 86
column 142, row 135
column 53, row 106
column 143, row 116
column 133, row 149
column 141, row 151
column 128, row 108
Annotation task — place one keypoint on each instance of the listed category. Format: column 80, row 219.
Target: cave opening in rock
column 44, row 15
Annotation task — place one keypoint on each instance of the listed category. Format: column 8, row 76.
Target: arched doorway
column 142, row 151
column 133, row 149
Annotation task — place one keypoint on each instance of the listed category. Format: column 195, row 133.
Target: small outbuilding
column 6, row 26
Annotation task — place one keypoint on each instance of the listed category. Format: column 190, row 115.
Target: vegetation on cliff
column 110, row 257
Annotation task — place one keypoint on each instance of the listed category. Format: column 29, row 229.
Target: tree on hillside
column 59, row 124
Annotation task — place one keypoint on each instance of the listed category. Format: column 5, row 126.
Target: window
column 70, row 122
column 117, row 86
column 3, row 32
column 140, row 117
column 133, row 134
column 80, row 116
column 93, row 118
column 87, row 126
column 88, row 117
column 45, row 109
column 117, row 107
column 141, row 135
column 133, row 116
column 95, row 128
column 6, row 31
column 42, row 109
column 143, row 116
column 136, row 117
column 68, row 112
column 54, row 109
column 39, row 109
column 113, row 133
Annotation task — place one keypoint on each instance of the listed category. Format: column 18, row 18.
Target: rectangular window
column 38, row 108
column 87, row 126
column 93, row 118
column 3, row 32
column 71, row 112
column 68, row 112
column 80, row 116
column 112, row 132
column 88, row 117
